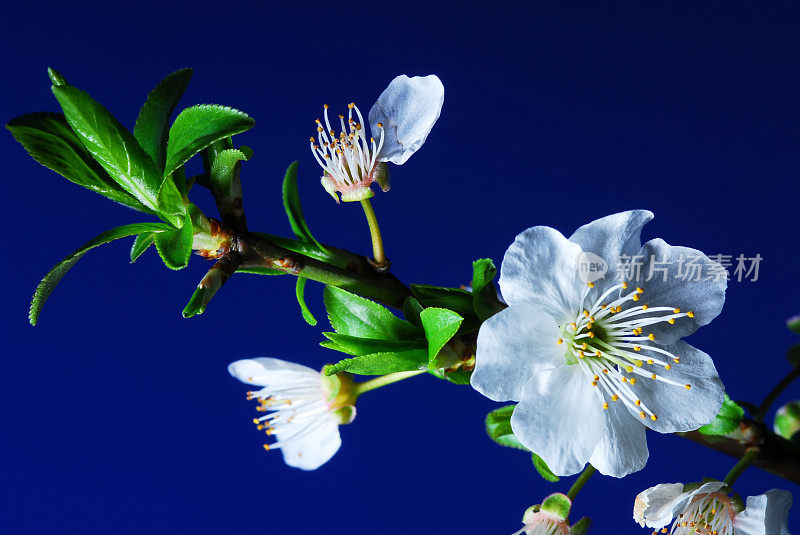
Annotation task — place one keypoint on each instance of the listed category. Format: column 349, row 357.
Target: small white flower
column 708, row 510
column 591, row 362
column 400, row 121
column 304, row 408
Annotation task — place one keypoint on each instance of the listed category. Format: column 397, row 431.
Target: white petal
column 767, row 514
column 676, row 408
column 559, row 418
column 654, row 507
column 315, row 448
column 408, row 109
column 269, row 372
column 513, row 344
column 672, row 272
column 623, row 448
column 612, row 236
column 541, row 268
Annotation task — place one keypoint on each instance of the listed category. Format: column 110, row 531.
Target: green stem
column 775, row 392
column 375, row 232
column 749, row 458
column 581, row 481
column 383, row 380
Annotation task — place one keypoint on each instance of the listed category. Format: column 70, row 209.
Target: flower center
column 606, row 339
column 295, row 411
column 707, row 514
column 347, row 158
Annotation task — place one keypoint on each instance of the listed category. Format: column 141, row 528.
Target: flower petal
column 679, row 277
column 767, row 514
column 559, row 418
column 655, row 506
column 269, row 372
column 623, row 448
column 314, row 448
column 613, row 236
column 541, row 268
column 408, row 109
column 678, row 409
column 512, row 345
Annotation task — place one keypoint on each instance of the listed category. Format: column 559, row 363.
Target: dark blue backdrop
column 119, row 416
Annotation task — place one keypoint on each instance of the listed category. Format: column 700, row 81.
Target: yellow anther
column 671, row 321
column 690, row 314
column 590, row 334
column 574, row 327
column 594, row 383
column 635, row 297
column 651, row 336
column 653, row 376
column 654, row 417
column 677, row 311
column 642, row 414
column 629, row 369
column 584, row 345
column 598, row 354
column 615, row 398
column 590, row 284
column 639, row 290
column 586, row 313
column 676, row 360
column 605, row 405
column 637, row 348
column 605, row 370
column 379, row 125
column 325, row 106
column 351, row 105
column 638, row 402
column 319, row 129
column 688, row 387
column 713, row 511
column 596, row 377
column 266, row 447
column 256, row 421
column 591, row 318
column 581, row 354
column 625, row 379
column 650, row 361
column 633, row 380
column 603, row 305
column 667, row 366
column 624, row 285
column 644, row 307
column 260, row 427
column 560, row 341
column 589, row 325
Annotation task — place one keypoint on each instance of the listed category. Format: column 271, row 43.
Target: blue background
column 119, row 416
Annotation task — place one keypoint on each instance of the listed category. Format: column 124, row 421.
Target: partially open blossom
column 303, row 408
column 592, row 362
column 400, row 121
column 708, row 509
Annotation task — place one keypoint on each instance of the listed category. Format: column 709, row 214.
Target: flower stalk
column 775, row 392
column 379, row 256
column 749, row 458
column 576, row 487
column 383, row 380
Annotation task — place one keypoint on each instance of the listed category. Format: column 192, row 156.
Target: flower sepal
column 383, row 176
column 787, row 421
column 557, row 505
column 581, row 527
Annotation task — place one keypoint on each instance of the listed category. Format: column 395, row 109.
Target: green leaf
column 359, row 347
column 299, row 292
column 787, row 420
column 175, row 246
column 50, row 141
column 440, row 326
column 411, row 311
column 49, row 282
column 451, row 298
column 152, row 125
column 355, row 316
column 498, row 427
column 484, row 294
column 142, row 242
column 727, row 420
column 381, row 363
column 291, row 203
column 223, row 171
column 198, row 127
column 543, row 469
column 114, row 148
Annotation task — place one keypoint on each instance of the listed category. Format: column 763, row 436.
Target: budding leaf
column 498, row 427
column 114, row 148
column 223, row 171
column 793, row 324
column 440, row 325
column 175, row 246
column 294, row 211
column 49, row 282
column 142, row 242
column 355, row 316
column 411, row 311
column 50, row 141
column 198, row 127
column 300, row 294
column 152, row 125
column 381, row 363
column 484, row 294
column 727, row 420
column 359, row 347
column 787, row 420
